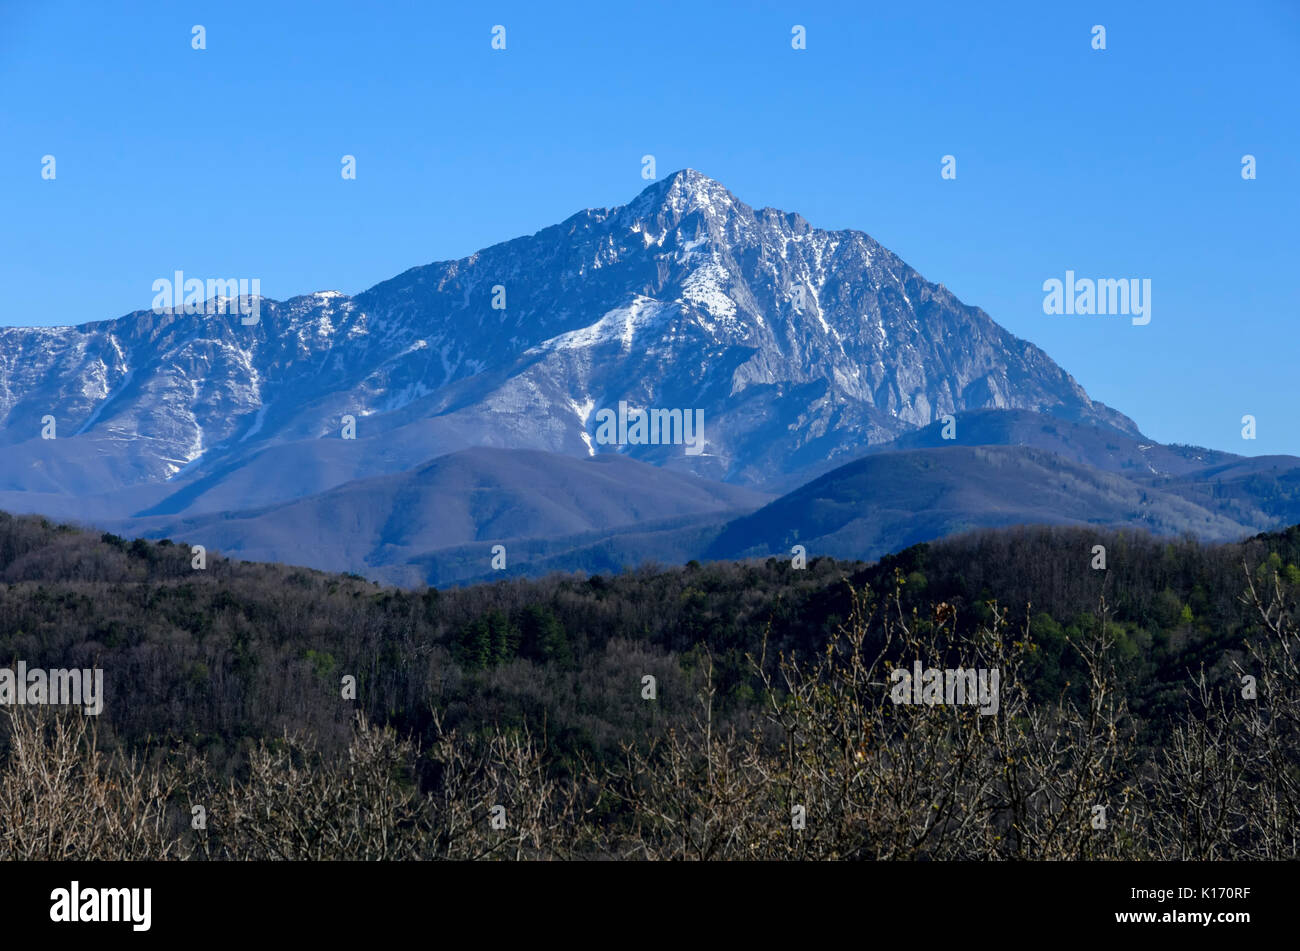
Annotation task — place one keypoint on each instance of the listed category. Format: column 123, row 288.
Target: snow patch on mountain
column 107, row 399
column 682, row 297
column 258, row 420
column 706, row 288
column 621, row 325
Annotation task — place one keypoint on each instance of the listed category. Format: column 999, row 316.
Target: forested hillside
column 240, row 650
column 213, row 662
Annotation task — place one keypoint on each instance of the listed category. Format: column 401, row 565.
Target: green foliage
column 542, row 638
column 487, row 642
column 322, row 663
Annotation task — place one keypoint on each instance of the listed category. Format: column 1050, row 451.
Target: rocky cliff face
column 798, row 345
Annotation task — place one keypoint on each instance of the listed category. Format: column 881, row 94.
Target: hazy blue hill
column 889, row 500
column 475, row 496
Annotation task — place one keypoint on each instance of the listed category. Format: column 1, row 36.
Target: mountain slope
column 799, row 345
column 478, row 496
column 1131, row 455
column 887, row 501
column 438, row 523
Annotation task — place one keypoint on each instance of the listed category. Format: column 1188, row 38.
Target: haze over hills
column 1132, row 455
column 822, row 364
column 888, row 501
column 438, row 523
column 472, row 498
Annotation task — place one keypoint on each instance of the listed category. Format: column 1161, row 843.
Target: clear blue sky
column 1122, row 163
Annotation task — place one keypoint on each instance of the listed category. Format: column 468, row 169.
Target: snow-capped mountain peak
column 799, row 346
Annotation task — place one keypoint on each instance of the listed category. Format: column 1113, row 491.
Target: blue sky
column 1117, row 163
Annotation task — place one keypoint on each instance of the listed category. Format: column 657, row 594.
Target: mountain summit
column 800, row 347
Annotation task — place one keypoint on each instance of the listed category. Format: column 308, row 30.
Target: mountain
column 438, row 523
column 1261, row 491
column 387, row 526
column 887, row 501
column 799, row 346
column 821, row 366
column 1133, row 456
